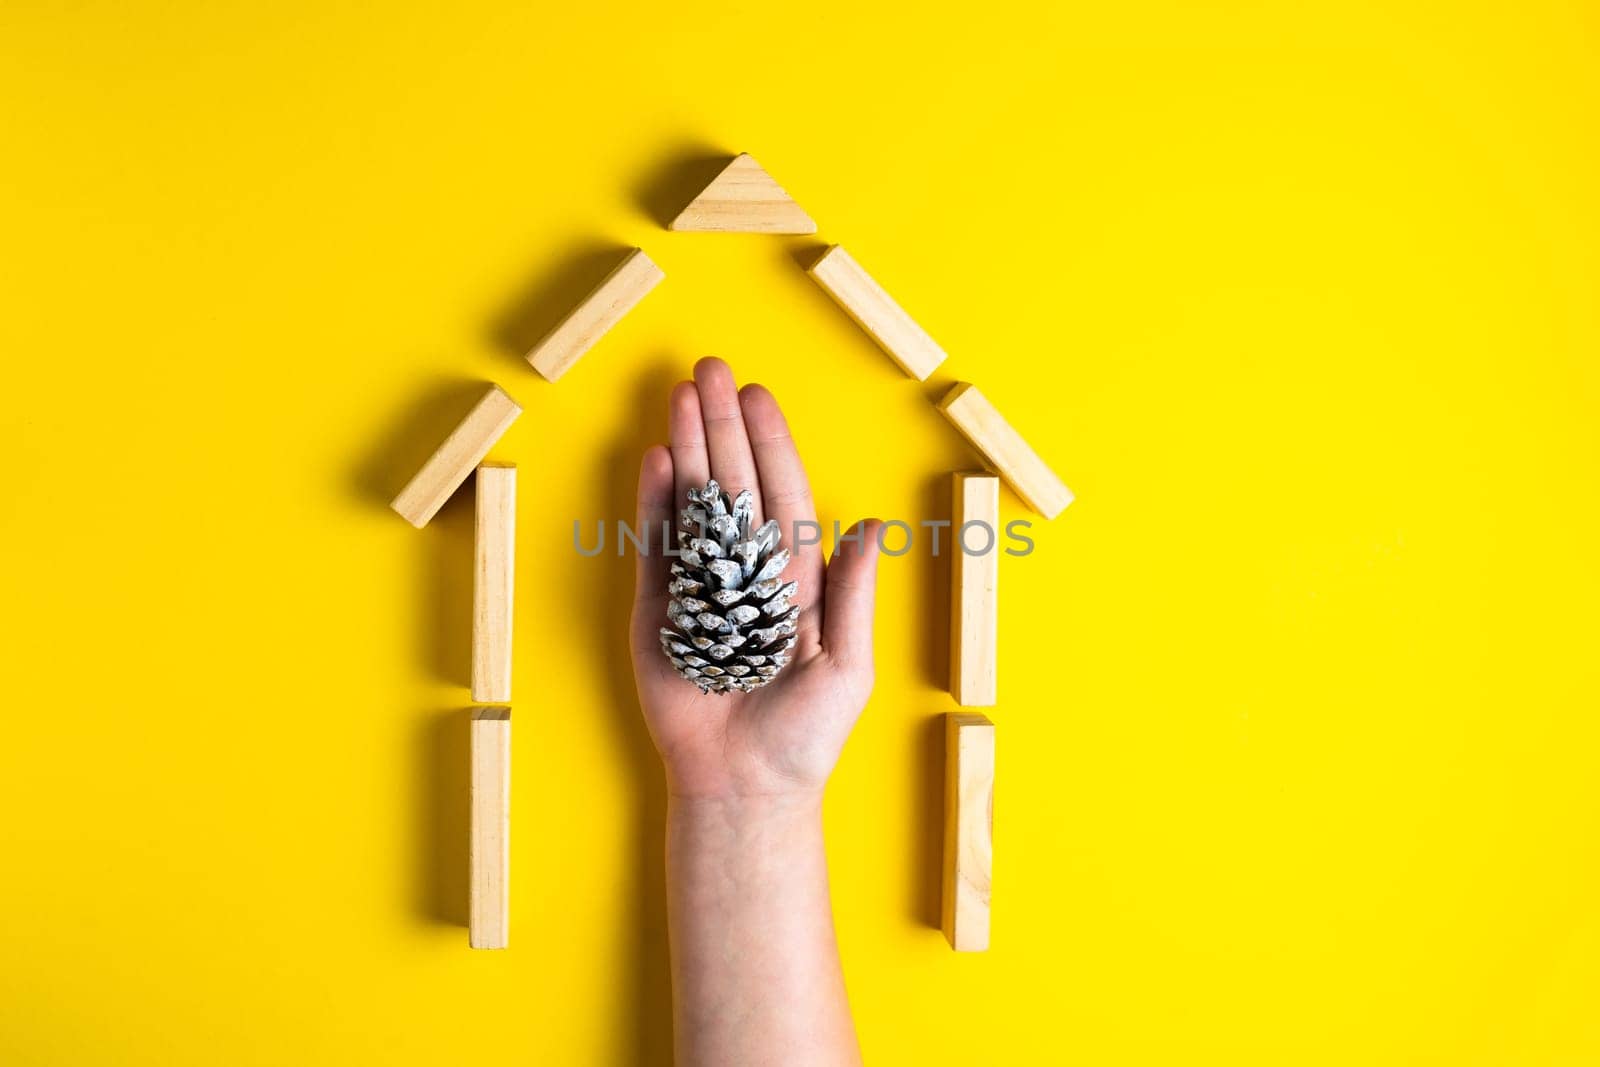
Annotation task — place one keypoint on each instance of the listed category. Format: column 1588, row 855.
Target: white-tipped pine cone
column 732, row 625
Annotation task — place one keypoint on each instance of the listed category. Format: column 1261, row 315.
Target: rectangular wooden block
column 448, row 467
column 968, row 829
column 877, row 313
column 1006, row 451
column 493, row 577
column 974, row 607
column 490, row 910
column 602, row 309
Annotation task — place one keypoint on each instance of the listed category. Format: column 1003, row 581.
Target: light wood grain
column 614, row 297
column 489, row 919
column 1034, row 481
column 743, row 199
column 968, row 829
column 908, row 344
column 493, row 578
column 449, row 466
column 974, row 616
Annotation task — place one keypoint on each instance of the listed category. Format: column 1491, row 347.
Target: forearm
column 756, row 977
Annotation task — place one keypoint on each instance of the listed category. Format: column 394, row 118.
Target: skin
column 755, row 964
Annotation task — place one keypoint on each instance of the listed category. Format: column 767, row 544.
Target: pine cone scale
column 730, row 621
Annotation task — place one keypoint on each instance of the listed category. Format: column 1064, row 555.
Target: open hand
column 785, row 736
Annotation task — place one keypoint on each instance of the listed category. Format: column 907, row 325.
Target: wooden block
column 743, row 199
column 974, row 617
column 490, row 911
column 493, row 570
column 447, row 468
column 968, row 829
column 602, row 309
column 1006, row 451
column 877, row 313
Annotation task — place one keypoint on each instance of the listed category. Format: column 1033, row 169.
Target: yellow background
column 1297, row 733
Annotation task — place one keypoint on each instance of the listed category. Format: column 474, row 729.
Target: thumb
column 852, row 583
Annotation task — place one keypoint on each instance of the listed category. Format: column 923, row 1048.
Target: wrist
column 744, row 809
column 744, row 846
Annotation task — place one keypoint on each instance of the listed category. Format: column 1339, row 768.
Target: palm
column 787, row 734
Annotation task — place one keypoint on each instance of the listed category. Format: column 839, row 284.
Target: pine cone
column 732, row 624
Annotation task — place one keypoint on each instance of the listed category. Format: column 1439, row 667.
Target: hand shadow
column 649, row 994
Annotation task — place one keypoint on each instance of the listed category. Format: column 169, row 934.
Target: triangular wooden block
column 744, row 199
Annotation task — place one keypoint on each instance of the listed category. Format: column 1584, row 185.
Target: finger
column 687, row 435
column 732, row 464
column 650, row 572
column 852, row 585
column 785, row 490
